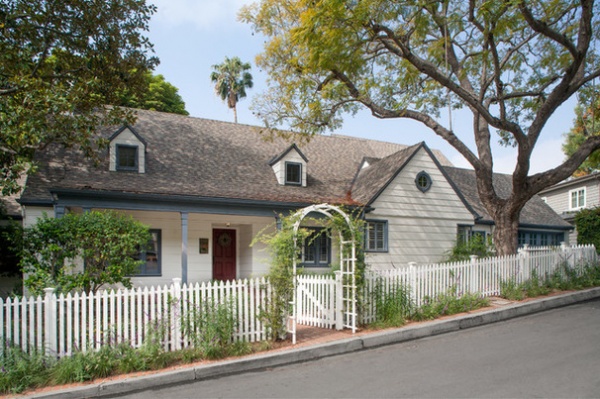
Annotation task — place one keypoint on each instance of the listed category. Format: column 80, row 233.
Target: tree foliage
column 512, row 64
column 158, row 95
column 61, row 62
column 231, row 78
column 107, row 244
column 587, row 123
column 587, row 222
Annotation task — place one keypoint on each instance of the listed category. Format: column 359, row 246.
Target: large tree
column 231, row 78
column 587, row 123
column 158, row 95
column 512, row 64
column 61, row 62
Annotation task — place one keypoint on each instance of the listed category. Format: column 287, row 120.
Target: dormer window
column 293, row 173
column 127, row 157
column 290, row 167
column 127, row 151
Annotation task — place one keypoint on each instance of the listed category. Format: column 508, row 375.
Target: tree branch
column 384, row 113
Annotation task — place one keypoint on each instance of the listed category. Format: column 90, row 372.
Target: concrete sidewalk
column 319, row 345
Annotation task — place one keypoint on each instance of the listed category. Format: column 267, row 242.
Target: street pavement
column 147, row 385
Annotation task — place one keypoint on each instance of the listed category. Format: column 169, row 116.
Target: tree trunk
column 506, row 231
column 235, row 114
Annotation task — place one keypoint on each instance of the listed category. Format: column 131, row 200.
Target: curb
column 268, row 360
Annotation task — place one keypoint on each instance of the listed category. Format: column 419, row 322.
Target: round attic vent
column 423, row 181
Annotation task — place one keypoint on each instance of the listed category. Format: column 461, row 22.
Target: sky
column 190, row 36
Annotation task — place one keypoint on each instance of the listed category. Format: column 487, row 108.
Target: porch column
column 184, row 245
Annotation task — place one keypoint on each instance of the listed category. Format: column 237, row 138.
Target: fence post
column 50, row 321
column 474, row 283
column 413, row 283
column 176, row 314
column 339, row 303
column 524, row 263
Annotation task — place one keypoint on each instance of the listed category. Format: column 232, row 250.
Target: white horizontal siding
column 422, row 227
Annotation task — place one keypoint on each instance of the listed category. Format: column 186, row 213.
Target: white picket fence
column 63, row 324
column 481, row 276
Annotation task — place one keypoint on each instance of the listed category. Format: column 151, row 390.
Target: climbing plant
column 280, row 244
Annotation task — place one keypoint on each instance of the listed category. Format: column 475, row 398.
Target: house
column 207, row 188
column 570, row 196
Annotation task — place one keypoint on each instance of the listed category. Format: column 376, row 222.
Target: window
column 577, row 198
column 522, row 238
column 293, row 173
column 151, row 256
column 423, row 181
column 540, row 238
column 376, row 236
column 127, row 157
column 317, row 249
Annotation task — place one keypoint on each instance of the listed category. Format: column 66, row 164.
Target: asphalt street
column 553, row 354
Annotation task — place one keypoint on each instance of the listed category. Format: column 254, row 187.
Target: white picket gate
column 319, row 301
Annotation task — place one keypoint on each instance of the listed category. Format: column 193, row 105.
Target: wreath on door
column 224, row 240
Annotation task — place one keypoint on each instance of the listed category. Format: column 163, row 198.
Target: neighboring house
column 207, row 188
column 570, row 196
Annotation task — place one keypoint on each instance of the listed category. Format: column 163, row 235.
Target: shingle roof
column 371, row 181
column 206, row 158
column 535, row 212
column 203, row 158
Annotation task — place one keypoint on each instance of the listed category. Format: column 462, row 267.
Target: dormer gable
column 127, row 151
column 290, row 167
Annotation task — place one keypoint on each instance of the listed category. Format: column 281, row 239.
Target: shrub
column 509, row 289
column 210, row 327
column 476, row 245
column 392, row 305
column 448, row 304
column 108, row 243
column 20, row 370
column 587, row 222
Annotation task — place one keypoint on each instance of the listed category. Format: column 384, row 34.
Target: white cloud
column 203, row 14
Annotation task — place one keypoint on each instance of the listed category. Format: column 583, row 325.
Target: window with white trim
column 376, row 236
column 577, row 199
column 151, row 255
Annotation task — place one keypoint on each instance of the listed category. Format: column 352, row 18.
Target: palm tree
column 231, row 78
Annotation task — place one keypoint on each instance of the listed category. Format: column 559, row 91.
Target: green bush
column 587, row 222
column 509, row 289
column 20, row 370
column 392, row 305
column 210, row 327
column 108, row 242
column 476, row 245
column 563, row 279
column 448, row 304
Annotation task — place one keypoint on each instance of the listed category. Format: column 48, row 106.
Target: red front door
column 223, row 254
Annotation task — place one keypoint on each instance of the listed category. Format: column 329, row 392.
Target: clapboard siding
column 422, row 227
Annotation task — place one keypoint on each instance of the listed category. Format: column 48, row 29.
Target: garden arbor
column 346, row 289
